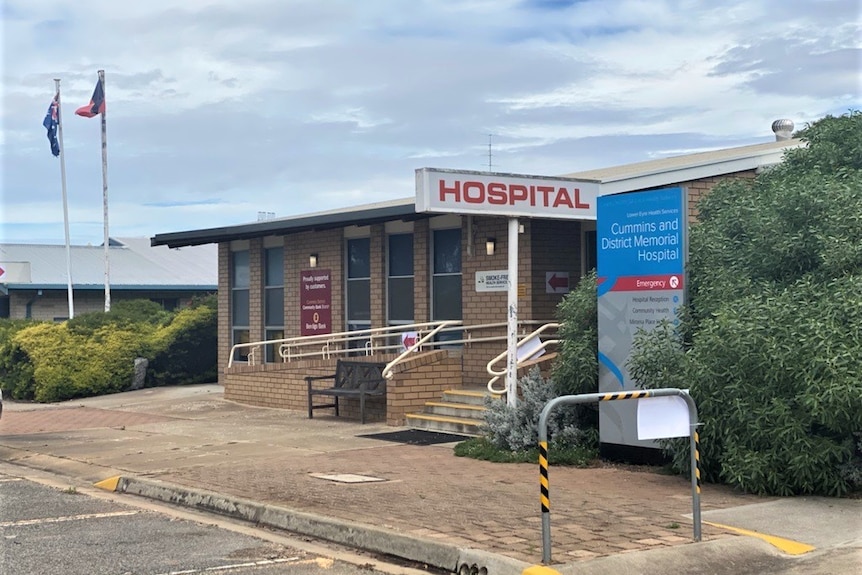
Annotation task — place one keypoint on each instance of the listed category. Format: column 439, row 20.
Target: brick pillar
column 377, row 253
column 421, row 287
column 255, row 291
column 223, row 309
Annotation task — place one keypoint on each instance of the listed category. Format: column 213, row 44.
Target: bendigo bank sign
column 505, row 194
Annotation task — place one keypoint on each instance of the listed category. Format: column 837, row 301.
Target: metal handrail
column 387, row 371
column 542, row 346
column 332, row 343
column 329, row 345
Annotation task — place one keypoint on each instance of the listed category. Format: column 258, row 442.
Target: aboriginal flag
column 96, row 105
column 50, row 122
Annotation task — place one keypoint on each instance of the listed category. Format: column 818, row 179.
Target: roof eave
column 288, row 226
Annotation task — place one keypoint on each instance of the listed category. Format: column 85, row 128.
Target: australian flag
column 50, row 122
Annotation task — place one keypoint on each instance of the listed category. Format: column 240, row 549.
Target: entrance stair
column 460, row 411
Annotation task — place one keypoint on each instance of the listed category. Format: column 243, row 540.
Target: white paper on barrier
column 530, row 349
column 662, row 417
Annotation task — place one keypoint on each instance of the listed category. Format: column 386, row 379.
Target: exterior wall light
column 312, row 260
column 490, row 246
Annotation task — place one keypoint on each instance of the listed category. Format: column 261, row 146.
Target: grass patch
column 481, row 448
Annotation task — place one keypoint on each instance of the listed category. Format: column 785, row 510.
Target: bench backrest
column 351, row 374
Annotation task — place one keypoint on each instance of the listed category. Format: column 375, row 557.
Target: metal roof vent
column 783, row 129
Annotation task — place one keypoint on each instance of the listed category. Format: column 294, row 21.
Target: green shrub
column 68, row 365
column 186, row 350
column 94, row 354
column 576, row 370
column 123, row 313
column 482, row 448
column 516, row 428
column 770, row 345
column 16, row 370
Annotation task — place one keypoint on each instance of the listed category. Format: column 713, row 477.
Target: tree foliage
column 577, row 370
column 771, row 345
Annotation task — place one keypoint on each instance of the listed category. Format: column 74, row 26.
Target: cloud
column 218, row 110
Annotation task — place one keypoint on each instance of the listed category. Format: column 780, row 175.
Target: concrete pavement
column 188, row 445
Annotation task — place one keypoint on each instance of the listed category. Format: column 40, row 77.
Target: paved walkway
column 191, row 436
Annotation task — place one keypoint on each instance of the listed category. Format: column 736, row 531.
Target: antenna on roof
column 490, row 155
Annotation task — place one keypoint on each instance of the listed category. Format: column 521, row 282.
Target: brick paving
column 270, row 456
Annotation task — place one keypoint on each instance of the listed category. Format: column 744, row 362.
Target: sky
column 219, row 110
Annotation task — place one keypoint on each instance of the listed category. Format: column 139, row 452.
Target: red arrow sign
column 558, row 282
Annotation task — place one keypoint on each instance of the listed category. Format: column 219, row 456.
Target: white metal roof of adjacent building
column 134, row 265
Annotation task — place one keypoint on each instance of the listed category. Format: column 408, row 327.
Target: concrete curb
column 357, row 535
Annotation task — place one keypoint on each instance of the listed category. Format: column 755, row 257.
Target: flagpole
column 65, row 203
column 105, row 196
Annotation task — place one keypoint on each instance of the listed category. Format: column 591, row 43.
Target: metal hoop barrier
column 595, row 397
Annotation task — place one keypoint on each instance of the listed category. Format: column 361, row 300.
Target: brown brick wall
column 423, row 378
column 255, row 293
column 545, row 246
column 486, row 307
column 378, row 275
column 697, row 189
column 283, row 386
column 223, row 307
column 421, row 278
column 556, row 247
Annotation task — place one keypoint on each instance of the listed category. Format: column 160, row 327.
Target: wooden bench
column 351, row 379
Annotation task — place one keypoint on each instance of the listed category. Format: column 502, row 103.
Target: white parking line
column 43, row 520
column 260, row 563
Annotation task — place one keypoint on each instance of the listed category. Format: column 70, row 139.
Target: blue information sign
column 641, row 272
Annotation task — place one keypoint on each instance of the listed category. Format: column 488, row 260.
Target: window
column 358, row 285
column 239, row 284
column 399, row 291
column 446, row 278
column 273, row 299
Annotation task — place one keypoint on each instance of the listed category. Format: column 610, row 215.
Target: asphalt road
column 46, row 528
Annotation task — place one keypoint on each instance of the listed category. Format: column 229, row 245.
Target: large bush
column 67, row 365
column 124, row 313
column 94, row 353
column 186, row 350
column 577, row 369
column 16, row 370
column 771, row 345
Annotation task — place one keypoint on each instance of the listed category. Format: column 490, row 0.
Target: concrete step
column 468, row 396
column 444, row 424
column 450, row 409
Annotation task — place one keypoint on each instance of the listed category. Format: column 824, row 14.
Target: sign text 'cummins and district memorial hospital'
column 509, row 195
